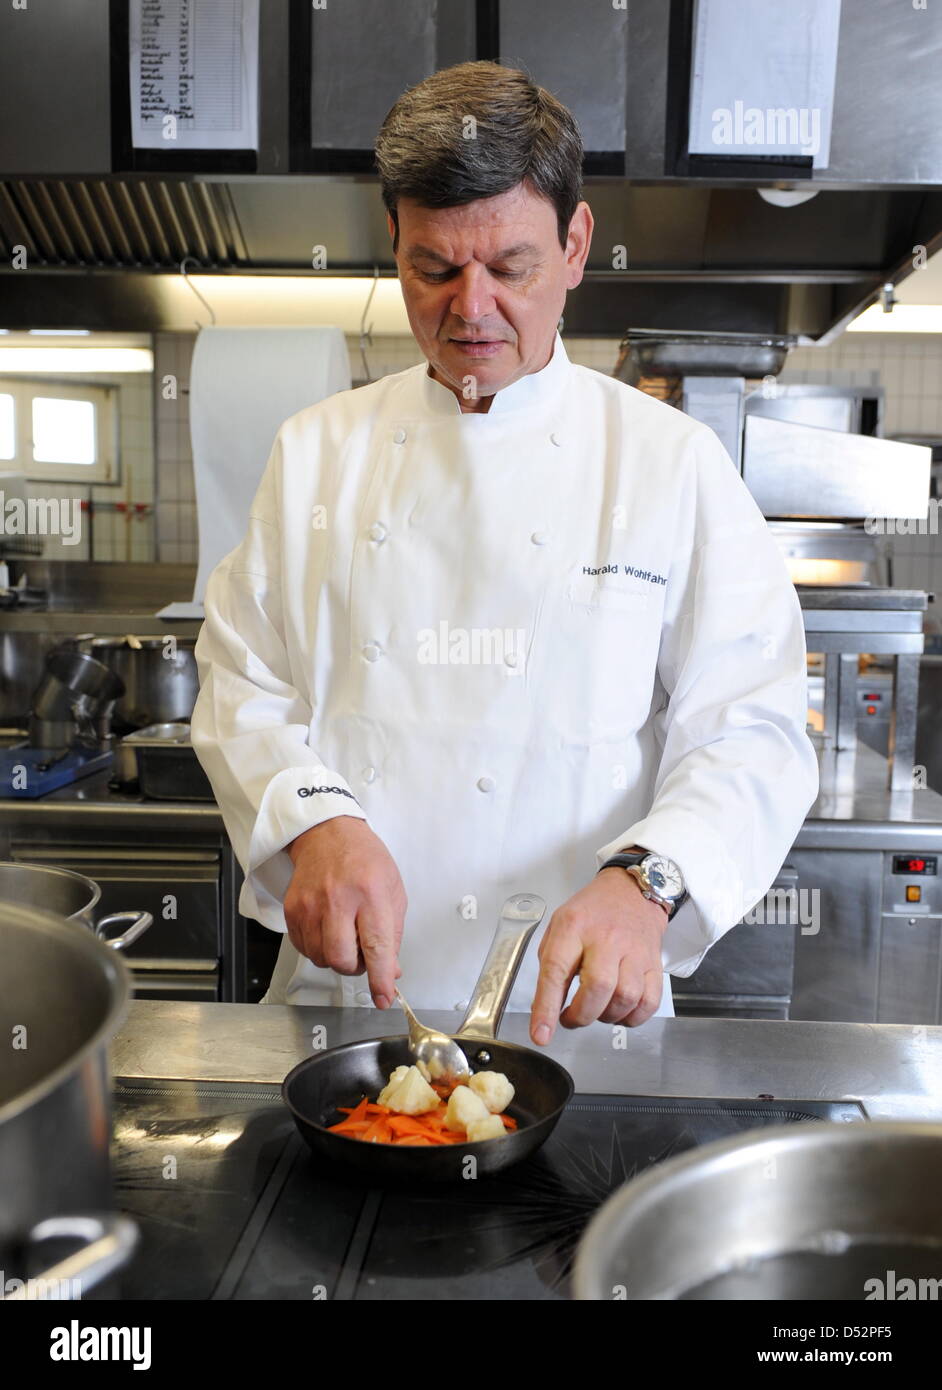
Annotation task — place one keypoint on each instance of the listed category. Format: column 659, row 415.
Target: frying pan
column 341, row 1075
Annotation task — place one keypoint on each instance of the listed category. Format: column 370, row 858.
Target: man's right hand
column 345, row 906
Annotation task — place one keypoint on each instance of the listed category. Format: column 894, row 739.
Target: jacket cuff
column 717, row 896
column 295, row 800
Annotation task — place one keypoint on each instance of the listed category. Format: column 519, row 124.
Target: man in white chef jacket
column 496, row 619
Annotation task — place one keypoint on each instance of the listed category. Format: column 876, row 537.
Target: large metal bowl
column 810, row 1211
column 64, row 995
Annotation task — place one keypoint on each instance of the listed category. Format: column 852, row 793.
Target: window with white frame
column 58, row 432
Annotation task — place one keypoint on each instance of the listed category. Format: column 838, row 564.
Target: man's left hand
column 609, row 934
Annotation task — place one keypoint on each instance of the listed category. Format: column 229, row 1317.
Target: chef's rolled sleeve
column 737, row 771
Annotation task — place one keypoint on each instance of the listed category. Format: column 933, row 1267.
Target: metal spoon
column 519, row 918
column 444, row 1058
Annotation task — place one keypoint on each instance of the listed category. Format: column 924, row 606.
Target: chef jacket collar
column 542, row 388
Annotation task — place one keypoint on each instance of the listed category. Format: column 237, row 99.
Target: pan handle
column 519, row 919
column 110, row 1241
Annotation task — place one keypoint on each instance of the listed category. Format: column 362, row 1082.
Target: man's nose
column 474, row 298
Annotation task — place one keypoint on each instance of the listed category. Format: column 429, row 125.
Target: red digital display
column 915, row 864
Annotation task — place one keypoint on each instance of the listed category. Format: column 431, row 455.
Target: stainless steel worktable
column 895, row 1071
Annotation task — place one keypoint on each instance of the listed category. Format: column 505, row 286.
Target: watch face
column 664, row 876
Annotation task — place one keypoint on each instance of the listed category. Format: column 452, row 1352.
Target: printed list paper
column 194, row 74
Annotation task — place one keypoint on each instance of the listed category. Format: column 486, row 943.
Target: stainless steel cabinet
column 749, row 972
column 179, row 956
column 876, row 957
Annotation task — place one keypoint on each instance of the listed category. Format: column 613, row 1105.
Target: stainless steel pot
column 75, row 698
column 70, row 895
column 160, row 677
column 64, row 995
column 802, row 1211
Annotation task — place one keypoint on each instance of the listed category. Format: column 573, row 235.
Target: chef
column 500, row 623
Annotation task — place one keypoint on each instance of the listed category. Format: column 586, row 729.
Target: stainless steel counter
column 91, row 802
column 895, row 1071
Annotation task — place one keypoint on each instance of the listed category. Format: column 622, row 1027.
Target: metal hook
column 365, row 332
column 206, row 306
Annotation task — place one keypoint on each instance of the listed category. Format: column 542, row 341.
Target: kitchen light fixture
column 301, row 300
column 905, row 318
column 32, row 360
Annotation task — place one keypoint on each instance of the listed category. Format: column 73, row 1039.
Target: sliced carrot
column 358, row 1112
column 407, row 1124
column 379, row 1131
column 375, row 1123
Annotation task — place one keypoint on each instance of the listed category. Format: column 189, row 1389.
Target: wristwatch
column 659, row 878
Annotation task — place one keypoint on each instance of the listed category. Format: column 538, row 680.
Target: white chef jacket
column 514, row 642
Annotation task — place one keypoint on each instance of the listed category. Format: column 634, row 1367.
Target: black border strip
column 487, row 30
column 125, row 158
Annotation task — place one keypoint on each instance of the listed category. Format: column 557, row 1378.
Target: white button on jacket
column 656, row 696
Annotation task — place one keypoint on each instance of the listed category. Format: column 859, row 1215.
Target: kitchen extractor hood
column 678, row 244
column 712, row 258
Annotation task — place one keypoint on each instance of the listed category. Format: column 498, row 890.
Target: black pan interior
column 343, row 1075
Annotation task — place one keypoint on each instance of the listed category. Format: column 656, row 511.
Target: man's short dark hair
column 474, row 131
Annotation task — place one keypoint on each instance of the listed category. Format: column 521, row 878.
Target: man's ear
column 393, row 230
column 580, row 239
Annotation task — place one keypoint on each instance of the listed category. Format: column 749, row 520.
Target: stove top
column 233, row 1205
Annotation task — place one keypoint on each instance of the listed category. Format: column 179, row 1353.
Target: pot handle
column 138, row 924
column 110, row 1242
column 520, row 916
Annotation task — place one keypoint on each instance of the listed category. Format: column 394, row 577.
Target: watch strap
column 630, row 860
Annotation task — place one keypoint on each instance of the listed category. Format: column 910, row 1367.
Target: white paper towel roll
column 244, row 383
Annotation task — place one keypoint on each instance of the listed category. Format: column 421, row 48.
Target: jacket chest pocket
column 598, row 661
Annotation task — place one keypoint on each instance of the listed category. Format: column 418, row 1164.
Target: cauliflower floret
column 464, row 1107
column 398, row 1075
column 412, row 1095
column 490, row 1128
column 493, row 1088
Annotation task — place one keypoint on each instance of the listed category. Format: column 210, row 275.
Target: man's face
column 484, row 286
